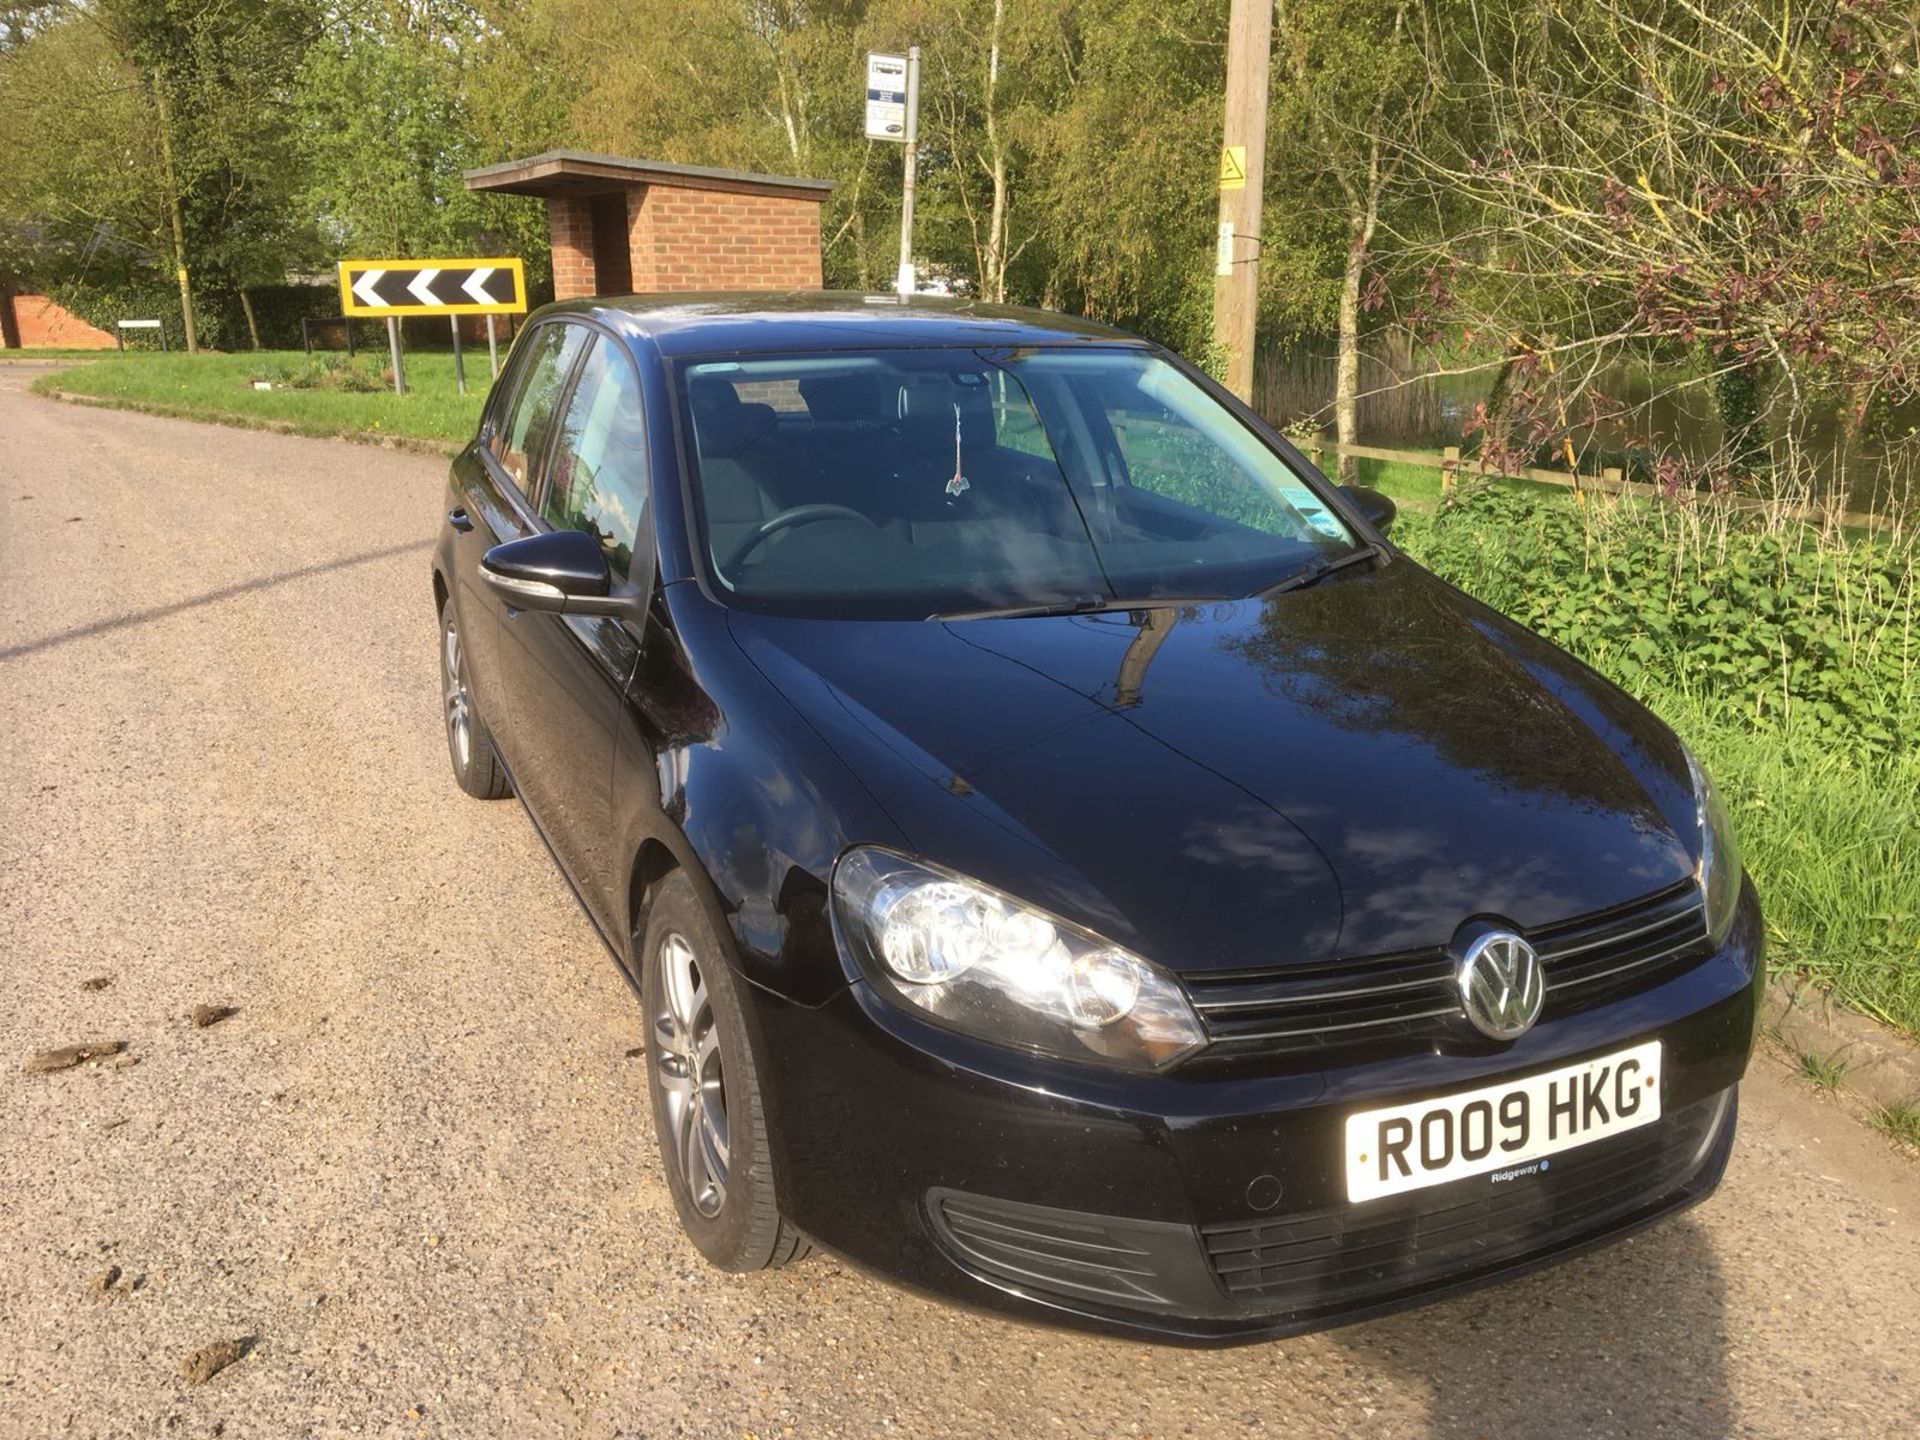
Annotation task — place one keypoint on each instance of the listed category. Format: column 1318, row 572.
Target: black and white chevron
column 433, row 287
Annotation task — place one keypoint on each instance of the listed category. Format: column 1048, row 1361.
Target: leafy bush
column 1795, row 627
column 220, row 321
column 100, row 305
column 278, row 310
column 356, row 376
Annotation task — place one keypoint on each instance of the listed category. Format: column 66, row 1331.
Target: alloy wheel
column 688, row 1071
column 453, row 688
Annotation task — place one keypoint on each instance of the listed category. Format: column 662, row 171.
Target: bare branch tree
column 1737, row 180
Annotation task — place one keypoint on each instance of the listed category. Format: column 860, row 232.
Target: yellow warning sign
column 1233, row 167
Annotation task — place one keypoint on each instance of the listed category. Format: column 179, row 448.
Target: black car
column 1071, row 862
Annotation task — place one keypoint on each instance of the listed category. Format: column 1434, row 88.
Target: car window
column 506, row 389
column 932, row 480
column 1166, row 453
column 551, row 350
column 596, row 478
column 1015, row 425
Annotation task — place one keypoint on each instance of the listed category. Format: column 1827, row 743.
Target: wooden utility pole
column 1236, row 286
column 176, row 220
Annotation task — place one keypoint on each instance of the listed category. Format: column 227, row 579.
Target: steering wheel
column 786, row 520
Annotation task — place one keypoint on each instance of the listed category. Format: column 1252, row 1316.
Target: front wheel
column 706, row 1092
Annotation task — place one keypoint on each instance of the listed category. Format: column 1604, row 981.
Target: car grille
column 1411, row 995
column 1341, row 1257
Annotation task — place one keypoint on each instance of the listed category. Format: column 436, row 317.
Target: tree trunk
column 997, row 233
column 864, row 273
column 993, row 278
column 253, row 326
column 176, row 215
column 1363, row 214
column 1346, row 375
column 788, row 121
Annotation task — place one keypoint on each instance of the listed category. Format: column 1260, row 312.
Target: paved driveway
column 417, row 1165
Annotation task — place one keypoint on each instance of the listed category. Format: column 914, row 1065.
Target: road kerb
column 1882, row 1066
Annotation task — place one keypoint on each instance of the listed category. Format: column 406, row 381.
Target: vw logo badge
column 1501, row 985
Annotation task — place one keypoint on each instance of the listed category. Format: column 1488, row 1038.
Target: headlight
column 986, row 964
column 1719, row 869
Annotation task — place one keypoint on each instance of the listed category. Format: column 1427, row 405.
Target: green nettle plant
column 1796, row 627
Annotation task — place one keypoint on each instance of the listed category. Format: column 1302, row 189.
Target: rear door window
column 596, row 478
column 522, row 436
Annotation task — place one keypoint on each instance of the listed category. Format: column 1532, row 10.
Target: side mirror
column 561, row 572
column 1378, row 509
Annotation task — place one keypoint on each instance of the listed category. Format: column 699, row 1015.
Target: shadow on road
column 210, row 597
column 1628, row 1341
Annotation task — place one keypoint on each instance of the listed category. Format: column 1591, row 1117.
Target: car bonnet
column 1352, row 769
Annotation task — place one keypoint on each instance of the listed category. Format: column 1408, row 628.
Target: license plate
column 1505, row 1130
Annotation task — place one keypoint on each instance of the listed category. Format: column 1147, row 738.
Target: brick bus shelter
column 623, row 226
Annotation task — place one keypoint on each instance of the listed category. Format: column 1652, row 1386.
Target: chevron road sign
column 433, row 287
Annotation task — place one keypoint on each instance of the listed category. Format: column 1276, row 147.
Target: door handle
column 460, row 520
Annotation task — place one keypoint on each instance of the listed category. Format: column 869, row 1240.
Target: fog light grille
column 1104, row 1259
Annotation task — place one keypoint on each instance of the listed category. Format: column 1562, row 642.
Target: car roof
column 705, row 324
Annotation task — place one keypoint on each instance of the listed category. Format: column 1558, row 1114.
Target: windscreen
column 911, row 483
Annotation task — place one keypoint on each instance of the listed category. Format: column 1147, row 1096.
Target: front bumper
column 1210, row 1208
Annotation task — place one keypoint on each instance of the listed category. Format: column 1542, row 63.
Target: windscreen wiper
column 1314, row 573
column 1081, row 605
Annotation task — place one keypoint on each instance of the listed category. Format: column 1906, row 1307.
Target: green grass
column 219, row 388
column 1417, row 487
column 1899, row 1122
column 1831, row 841
column 1824, row 1071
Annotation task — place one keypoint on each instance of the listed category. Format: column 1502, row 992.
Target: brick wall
column 716, row 240
column 570, row 230
column 681, row 239
column 42, row 322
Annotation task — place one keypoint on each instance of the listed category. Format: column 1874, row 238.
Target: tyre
column 476, row 768
column 707, row 1111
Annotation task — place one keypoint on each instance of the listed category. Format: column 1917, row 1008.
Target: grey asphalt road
column 416, row 1166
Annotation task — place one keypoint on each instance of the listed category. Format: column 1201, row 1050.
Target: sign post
column 392, row 288
column 393, row 349
column 120, row 328
column 893, row 114
column 459, row 365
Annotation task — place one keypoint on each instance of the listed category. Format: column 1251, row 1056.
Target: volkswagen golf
column 1068, row 859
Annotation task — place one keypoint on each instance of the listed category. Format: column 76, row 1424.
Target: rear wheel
column 476, row 768
column 706, row 1091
